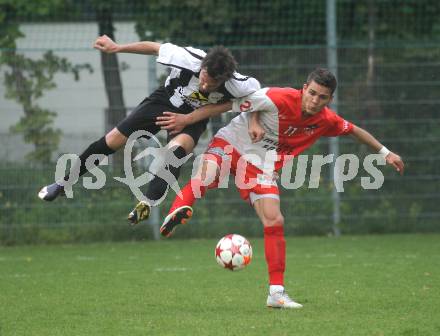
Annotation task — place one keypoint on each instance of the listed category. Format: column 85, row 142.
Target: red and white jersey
column 288, row 131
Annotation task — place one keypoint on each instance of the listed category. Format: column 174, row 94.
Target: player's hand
column 172, row 122
column 106, row 44
column 396, row 161
column 256, row 132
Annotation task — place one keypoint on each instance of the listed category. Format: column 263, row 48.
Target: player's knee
column 273, row 219
column 115, row 139
column 209, row 173
column 183, row 140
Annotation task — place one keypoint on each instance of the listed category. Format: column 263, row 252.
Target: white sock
column 275, row 289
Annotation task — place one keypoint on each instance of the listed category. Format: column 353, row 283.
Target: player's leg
column 106, row 145
column 181, row 210
column 158, row 187
column 181, row 145
column 268, row 210
column 218, row 161
column 140, row 118
column 213, row 169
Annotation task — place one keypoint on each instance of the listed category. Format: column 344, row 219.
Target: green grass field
column 372, row 285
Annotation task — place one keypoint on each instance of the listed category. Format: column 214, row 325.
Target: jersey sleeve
column 338, row 126
column 257, row 101
column 180, row 57
column 240, row 86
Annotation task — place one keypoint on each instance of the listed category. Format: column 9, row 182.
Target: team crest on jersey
column 246, row 106
column 309, row 130
column 267, row 180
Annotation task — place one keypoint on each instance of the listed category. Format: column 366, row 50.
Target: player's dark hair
column 323, row 77
column 219, row 63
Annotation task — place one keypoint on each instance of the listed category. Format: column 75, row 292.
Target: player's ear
column 305, row 86
column 331, row 99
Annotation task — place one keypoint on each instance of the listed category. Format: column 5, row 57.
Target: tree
column 233, row 23
column 26, row 79
column 116, row 110
column 25, row 82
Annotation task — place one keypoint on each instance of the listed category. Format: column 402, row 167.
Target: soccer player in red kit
column 288, row 122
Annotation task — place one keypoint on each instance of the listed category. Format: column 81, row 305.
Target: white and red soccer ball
column 233, row 252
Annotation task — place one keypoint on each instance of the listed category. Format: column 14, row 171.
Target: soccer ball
column 233, row 252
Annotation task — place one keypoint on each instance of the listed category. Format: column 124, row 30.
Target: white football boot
column 280, row 299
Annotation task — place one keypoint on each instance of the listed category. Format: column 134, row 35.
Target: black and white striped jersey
column 182, row 84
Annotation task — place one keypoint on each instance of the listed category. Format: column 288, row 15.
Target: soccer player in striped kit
column 284, row 123
column 197, row 81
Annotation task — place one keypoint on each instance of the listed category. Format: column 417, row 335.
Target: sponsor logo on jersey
column 197, row 99
column 279, row 147
column 198, row 96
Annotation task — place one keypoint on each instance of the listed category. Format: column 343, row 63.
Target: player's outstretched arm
column 176, row 122
column 107, row 45
column 366, row 138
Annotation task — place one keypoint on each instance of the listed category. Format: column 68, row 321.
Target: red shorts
column 251, row 182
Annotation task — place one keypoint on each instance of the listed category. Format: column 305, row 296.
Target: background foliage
column 389, row 80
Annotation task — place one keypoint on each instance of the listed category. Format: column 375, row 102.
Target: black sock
column 97, row 147
column 158, row 187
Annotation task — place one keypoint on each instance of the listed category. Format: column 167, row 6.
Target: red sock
column 187, row 196
column 275, row 251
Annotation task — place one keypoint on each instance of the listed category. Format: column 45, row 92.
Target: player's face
column 207, row 83
column 315, row 98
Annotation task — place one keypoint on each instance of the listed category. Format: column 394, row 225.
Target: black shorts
column 144, row 117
